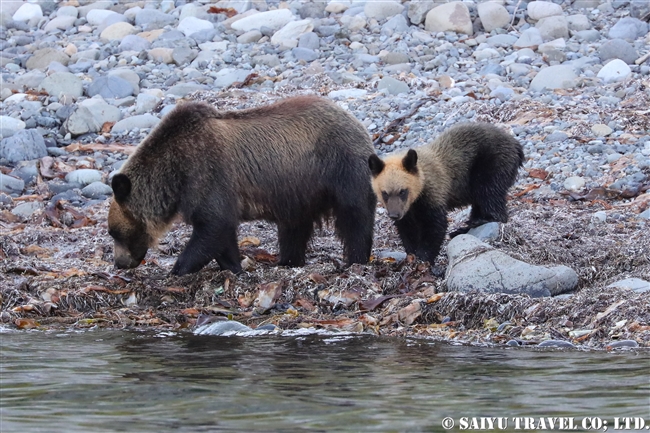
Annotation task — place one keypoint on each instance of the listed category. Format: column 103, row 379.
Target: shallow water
column 134, row 382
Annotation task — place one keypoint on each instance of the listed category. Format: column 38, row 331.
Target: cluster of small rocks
column 106, row 71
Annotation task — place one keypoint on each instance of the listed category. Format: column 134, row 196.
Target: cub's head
column 396, row 181
column 130, row 235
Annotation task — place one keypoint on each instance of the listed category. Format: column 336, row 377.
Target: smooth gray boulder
column 618, row 49
column 636, row 284
column 84, row 176
column 9, row 126
column 229, row 327
column 97, row 190
column 554, row 77
column 486, row 232
column 11, row 185
column 42, row 58
column 27, row 209
column 474, row 265
column 110, row 87
column 91, row 115
column 24, row 145
column 139, row 121
column 63, row 83
column 392, row 86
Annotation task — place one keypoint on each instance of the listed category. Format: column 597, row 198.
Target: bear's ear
column 410, row 161
column 376, row 164
column 121, row 185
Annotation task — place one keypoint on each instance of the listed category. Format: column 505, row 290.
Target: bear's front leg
column 209, row 241
column 293, row 238
column 433, row 227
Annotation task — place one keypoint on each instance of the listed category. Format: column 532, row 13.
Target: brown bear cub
column 293, row 163
column 469, row 164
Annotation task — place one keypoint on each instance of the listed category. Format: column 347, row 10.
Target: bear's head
column 130, row 235
column 396, row 181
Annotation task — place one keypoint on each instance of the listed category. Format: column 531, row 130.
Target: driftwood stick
column 642, row 58
column 400, row 120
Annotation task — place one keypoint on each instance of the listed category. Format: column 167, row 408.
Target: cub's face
column 396, row 182
column 130, row 235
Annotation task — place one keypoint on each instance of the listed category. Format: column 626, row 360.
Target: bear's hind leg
column 293, row 238
column 476, row 218
column 209, row 241
column 354, row 226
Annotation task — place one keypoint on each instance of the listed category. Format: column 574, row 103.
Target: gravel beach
column 83, row 82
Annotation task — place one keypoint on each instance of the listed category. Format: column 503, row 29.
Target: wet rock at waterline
column 474, row 265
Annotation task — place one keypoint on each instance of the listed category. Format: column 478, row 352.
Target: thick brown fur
column 468, row 164
column 293, row 163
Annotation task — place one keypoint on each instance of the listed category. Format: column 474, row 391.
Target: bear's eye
column 403, row 194
column 384, row 195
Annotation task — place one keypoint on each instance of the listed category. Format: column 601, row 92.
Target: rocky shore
column 83, row 82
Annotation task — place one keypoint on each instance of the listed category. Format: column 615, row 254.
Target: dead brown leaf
column 35, row 250
column 250, row 79
column 337, row 323
column 249, row 241
column 229, row 12
column 262, row 256
column 317, row 278
column 8, row 217
column 26, row 323
column 371, row 304
column 267, row 295
column 45, row 167
column 23, row 308
column 305, row 304
column 435, row 298
column 538, row 173
column 105, row 290
column 113, row 277
column 193, row 312
column 246, row 300
column 410, row 313
column 526, row 190
column 175, row 289
column 344, row 297
column 94, row 147
column 106, row 127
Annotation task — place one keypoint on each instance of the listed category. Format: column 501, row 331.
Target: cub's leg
column 212, row 238
column 433, row 227
column 354, row 225
column 293, row 237
column 423, row 230
column 408, row 229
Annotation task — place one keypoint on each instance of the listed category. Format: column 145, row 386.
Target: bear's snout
column 126, row 262
column 124, row 259
column 395, row 208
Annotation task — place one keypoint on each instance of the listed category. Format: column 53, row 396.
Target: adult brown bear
column 468, row 164
column 293, row 163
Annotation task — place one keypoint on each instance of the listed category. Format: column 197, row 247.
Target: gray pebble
column 27, row 209
column 557, row 343
column 622, row 344
column 96, row 190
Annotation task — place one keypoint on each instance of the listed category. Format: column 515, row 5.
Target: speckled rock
column 453, row 17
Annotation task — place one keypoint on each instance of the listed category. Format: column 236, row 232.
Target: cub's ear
column 376, row 164
column 410, row 161
column 121, row 185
